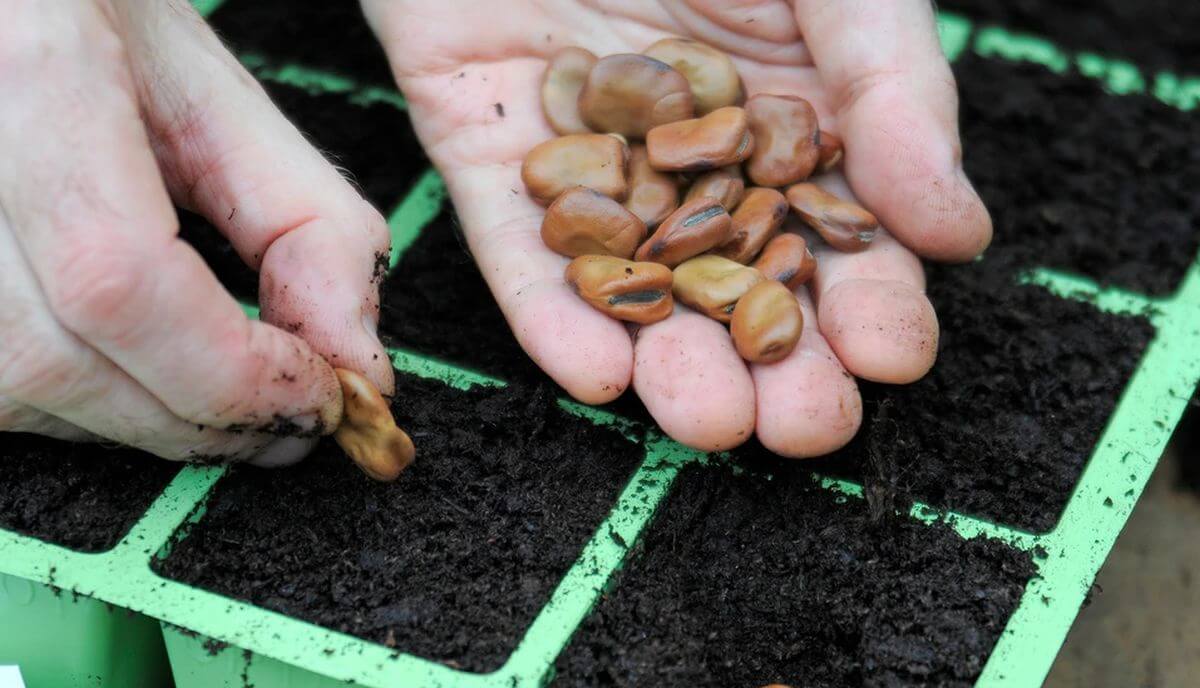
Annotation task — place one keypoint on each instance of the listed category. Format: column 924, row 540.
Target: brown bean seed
column 713, row 285
column 724, row 184
column 714, row 80
column 831, row 152
column 630, row 94
column 766, row 323
column 694, row 228
column 561, row 84
column 581, row 222
column 368, row 433
column 592, row 160
column 720, row 138
column 653, row 195
column 756, row 220
column 625, row 290
column 786, row 259
column 843, row 225
column 785, row 139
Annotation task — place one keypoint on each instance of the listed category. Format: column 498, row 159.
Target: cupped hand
column 111, row 327
column 874, row 72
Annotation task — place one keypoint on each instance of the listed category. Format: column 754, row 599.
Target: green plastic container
column 216, row 641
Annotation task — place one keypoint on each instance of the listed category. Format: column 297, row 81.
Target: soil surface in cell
column 1153, row 34
column 753, row 579
column 453, row 561
column 1079, row 179
column 333, row 36
column 81, row 496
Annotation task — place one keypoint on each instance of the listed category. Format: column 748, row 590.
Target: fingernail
column 370, row 322
column 284, row 452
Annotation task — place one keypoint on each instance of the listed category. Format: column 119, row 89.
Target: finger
column 808, row 405
column 897, row 110
column 88, row 207
column 762, row 30
column 16, row 417
column 228, row 153
column 693, row 382
column 872, row 306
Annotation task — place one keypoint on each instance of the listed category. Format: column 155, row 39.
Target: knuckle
column 94, row 285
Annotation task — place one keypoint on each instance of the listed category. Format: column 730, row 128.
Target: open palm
column 471, row 73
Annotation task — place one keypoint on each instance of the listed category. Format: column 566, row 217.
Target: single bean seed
column 694, row 228
column 831, row 152
column 368, row 433
column 630, row 94
column 713, row 285
column 756, row 220
column 714, row 79
column 581, row 222
column 623, row 289
column 724, row 184
column 720, row 138
column 786, row 259
column 843, row 225
column 561, row 84
column 785, row 139
column 592, row 160
column 766, row 323
column 653, row 195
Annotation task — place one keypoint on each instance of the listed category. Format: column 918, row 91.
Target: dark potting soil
column 80, row 496
column 1079, row 179
column 218, row 253
column 1153, row 34
column 797, row 587
column 451, row 562
column 327, row 35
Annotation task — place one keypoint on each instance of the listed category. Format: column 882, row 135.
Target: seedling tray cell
column 1149, row 297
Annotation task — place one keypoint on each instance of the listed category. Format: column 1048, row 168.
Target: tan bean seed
column 785, row 139
column 581, row 222
column 561, row 84
column 694, row 228
column 368, row 433
column 831, row 152
column 843, row 225
column 713, row 285
column 756, row 220
column 720, row 138
column 630, row 94
column 623, row 289
column 786, row 259
column 766, row 323
column 653, row 195
column 724, row 184
column 714, row 80
column 592, row 160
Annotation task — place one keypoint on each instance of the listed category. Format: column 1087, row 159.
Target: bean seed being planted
column 653, row 195
column 786, row 259
column 565, row 73
column 623, row 289
column 843, row 225
column 368, row 433
column 592, row 160
column 831, row 152
column 581, row 222
column 694, row 228
column 710, row 73
column 766, row 323
column 630, row 94
column 756, row 220
column 720, row 138
column 713, row 285
column 786, row 148
column 724, row 184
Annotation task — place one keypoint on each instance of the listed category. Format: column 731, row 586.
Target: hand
column 876, row 75
column 111, row 327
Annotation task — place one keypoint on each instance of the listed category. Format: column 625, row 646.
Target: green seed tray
column 45, row 634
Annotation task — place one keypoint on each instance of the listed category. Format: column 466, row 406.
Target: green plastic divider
column 270, row 649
